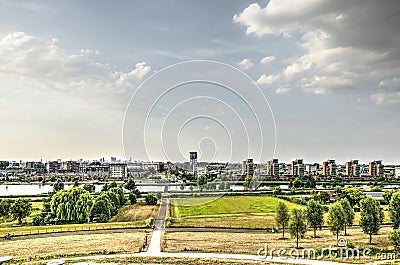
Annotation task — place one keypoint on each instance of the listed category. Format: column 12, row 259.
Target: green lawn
column 230, row 212
column 226, row 205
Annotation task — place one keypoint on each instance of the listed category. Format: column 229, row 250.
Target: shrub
column 151, row 199
column 132, row 197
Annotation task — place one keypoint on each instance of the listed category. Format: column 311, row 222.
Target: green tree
column 5, row 208
column 102, row 207
column 20, row 209
column 394, row 210
column 76, row 183
column 395, row 239
column 121, row 195
column 89, row 187
column 4, row 164
column 247, row 182
column 354, row 195
column 323, row 197
column 201, row 181
column 132, row 197
column 58, row 185
column 349, row 214
column 282, row 217
column 73, row 205
column 371, row 216
column 336, row 219
column 130, row 184
column 151, row 199
column 315, row 215
column 387, row 195
column 297, row 225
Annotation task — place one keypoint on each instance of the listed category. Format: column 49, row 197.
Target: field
column 255, row 212
column 126, row 218
column 249, row 243
column 234, row 212
column 73, row 245
column 137, row 212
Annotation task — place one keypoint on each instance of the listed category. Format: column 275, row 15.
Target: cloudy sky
column 330, row 71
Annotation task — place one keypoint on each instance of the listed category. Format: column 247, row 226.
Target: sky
column 311, row 79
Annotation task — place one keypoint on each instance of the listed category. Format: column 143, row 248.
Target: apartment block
column 329, row 168
column 375, row 168
column 298, row 167
column 273, row 167
column 353, row 168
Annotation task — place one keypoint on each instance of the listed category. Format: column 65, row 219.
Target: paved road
column 159, row 225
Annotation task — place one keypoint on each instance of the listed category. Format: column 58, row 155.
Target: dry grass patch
column 72, row 245
column 249, row 243
column 136, row 212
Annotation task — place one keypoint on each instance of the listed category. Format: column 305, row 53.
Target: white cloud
column 343, row 46
column 246, row 63
column 267, row 59
column 388, row 91
column 282, row 90
column 43, row 61
column 267, row 80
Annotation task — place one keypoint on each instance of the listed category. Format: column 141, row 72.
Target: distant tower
column 193, row 163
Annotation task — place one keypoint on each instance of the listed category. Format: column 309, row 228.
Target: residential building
column 298, row 167
column 53, row 167
column 353, row 168
column 153, row 166
column 248, row 167
column 70, row 166
column 397, row 171
column 273, row 168
column 118, row 171
column 329, row 168
column 375, row 168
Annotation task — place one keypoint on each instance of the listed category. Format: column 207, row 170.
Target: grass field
column 256, row 212
column 137, row 212
column 73, row 245
column 232, row 212
column 249, row 243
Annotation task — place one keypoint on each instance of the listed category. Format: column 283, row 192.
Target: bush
column 395, row 239
column 151, row 199
column 132, row 197
column 38, row 220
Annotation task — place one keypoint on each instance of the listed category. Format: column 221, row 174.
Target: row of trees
column 340, row 216
column 77, row 205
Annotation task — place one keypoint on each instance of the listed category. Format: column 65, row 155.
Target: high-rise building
column 248, row 167
column 193, row 163
column 298, row 167
column 273, row 167
column 329, row 168
column 352, row 168
column 375, row 168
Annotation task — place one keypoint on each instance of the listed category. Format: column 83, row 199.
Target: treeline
column 340, row 215
column 77, row 205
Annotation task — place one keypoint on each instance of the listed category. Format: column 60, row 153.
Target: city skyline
column 330, row 73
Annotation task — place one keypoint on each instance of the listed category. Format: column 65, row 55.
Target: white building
column 397, row 171
column 118, row 171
